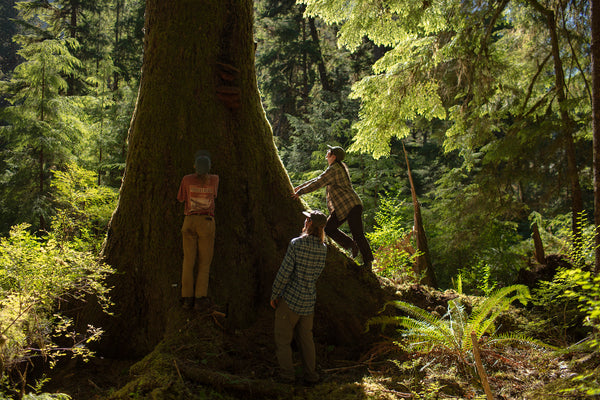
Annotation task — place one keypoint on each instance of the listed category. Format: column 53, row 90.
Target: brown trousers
column 198, row 233
column 288, row 324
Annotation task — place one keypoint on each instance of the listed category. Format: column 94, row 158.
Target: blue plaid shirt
column 297, row 277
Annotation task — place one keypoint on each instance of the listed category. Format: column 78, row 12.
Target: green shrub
column 587, row 294
column 83, row 208
column 38, row 276
column 558, row 311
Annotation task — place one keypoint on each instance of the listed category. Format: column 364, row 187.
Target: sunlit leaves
column 37, row 277
column 390, row 104
column 386, row 23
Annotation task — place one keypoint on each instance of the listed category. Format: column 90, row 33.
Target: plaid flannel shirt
column 297, row 277
column 341, row 197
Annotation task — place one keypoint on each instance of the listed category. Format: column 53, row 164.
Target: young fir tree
column 41, row 128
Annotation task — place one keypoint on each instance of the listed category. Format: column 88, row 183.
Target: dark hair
column 316, row 231
column 343, row 164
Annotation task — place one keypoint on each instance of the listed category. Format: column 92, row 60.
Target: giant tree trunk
column 198, row 57
column 567, row 125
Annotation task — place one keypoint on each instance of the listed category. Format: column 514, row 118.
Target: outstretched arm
column 310, row 186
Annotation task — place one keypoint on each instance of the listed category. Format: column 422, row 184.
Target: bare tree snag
column 424, row 266
column 539, row 253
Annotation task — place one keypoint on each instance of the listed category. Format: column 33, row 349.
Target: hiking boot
column 310, row 383
column 202, row 304
column 187, row 302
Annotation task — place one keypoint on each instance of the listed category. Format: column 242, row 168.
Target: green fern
column 424, row 332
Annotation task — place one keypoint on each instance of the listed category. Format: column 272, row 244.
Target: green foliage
column 480, row 78
column 470, row 234
column 38, row 277
column 65, row 103
column 478, row 279
column 582, row 249
column 457, row 284
column 394, row 254
column 475, row 64
column 450, row 336
column 587, row 384
column 83, row 209
column 42, row 126
column 559, row 318
column 557, row 237
column 587, row 294
column 379, row 93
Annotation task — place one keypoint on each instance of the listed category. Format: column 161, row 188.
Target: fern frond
column 494, row 305
column 383, row 320
column 418, row 313
column 458, row 322
column 415, row 311
column 518, row 338
column 417, row 330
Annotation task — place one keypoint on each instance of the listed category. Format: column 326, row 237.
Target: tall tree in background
column 199, row 91
column 74, row 19
column 8, row 49
column 128, row 40
column 90, row 128
column 284, row 60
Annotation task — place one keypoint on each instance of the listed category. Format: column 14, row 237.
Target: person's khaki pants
column 198, row 241
column 288, row 323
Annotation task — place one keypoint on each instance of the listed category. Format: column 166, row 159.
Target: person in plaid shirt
column 294, row 294
column 343, row 204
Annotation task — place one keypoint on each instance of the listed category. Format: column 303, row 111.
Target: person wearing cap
column 294, row 294
column 198, row 191
column 343, row 204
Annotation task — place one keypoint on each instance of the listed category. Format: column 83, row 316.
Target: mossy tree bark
column 194, row 51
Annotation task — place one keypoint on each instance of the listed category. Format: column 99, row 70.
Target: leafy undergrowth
column 199, row 359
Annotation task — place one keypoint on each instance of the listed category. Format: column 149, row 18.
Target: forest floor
column 205, row 360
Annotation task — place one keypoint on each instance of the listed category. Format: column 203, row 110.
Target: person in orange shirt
column 198, row 191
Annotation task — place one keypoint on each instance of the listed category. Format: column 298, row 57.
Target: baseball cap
column 338, row 152
column 317, row 217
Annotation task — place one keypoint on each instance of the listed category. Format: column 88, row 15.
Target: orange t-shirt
column 199, row 196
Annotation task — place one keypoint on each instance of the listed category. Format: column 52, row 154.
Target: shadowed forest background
column 485, row 106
